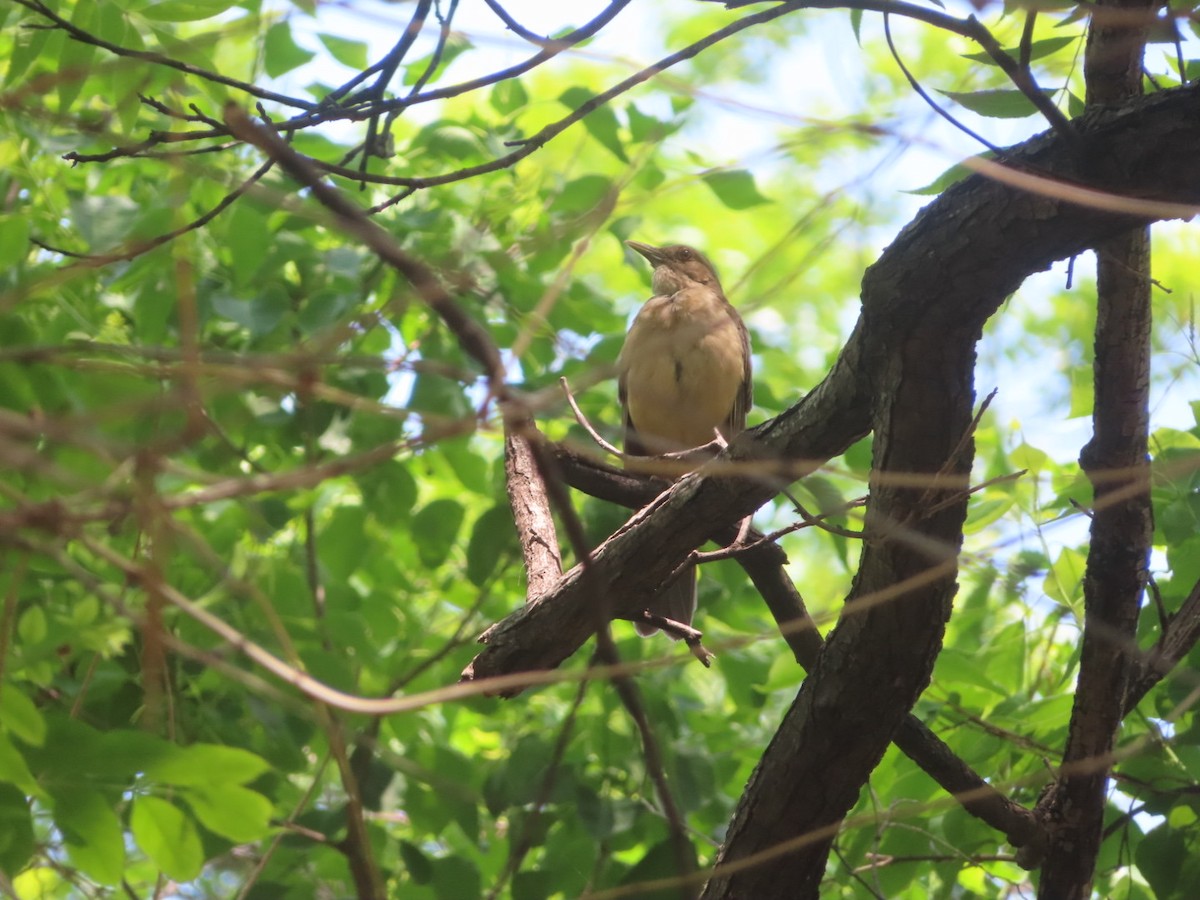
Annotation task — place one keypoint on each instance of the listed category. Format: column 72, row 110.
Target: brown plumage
column 683, row 375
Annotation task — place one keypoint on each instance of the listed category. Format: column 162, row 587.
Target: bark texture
column 1117, row 463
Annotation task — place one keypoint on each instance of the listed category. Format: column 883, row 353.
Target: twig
column 586, row 425
column 927, row 503
column 991, row 482
column 472, row 337
column 515, row 27
column 552, row 49
column 387, row 69
column 435, row 58
column 1025, row 54
column 87, row 260
column 737, row 548
column 86, row 37
column 924, row 95
column 520, row 847
column 678, row 630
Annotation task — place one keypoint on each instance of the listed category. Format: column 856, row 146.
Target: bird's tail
column 676, row 601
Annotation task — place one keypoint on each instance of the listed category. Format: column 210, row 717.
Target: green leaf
column 468, row 465
column 16, row 830
column 982, row 513
column 260, row 314
column 1038, row 49
column 342, row 542
column 952, row 175
column 659, row 862
column 245, row 232
column 104, row 220
column 75, row 59
column 450, row 140
column 456, row 878
column 435, row 530
column 509, row 96
column 389, row 492
column 1158, row 856
column 349, row 53
column 643, row 127
column 420, row 869
column 19, row 716
column 14, row 770
column 322, row 309
column 440, row 395
column 490, row 536
column 14, row 239
column 184, row 10
column 601, row 123
column 205, row 764
column 1064, row 581
column 1004, row 103
column 27, row 46
column 93, row 834
column 232, row 811
column 581, row 195
column 1026, row 456
column 281, row 53
column 1083, row 391
column 167, row 836
column 735, row 188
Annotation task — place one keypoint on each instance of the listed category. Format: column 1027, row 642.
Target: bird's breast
column 682, row 367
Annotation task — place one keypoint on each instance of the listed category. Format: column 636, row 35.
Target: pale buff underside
column 682, row 368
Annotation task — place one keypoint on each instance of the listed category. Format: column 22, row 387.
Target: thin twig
column 1025, row 54
column 586, row 425
column 924, row 95
column 86, row 37
column 89, row 261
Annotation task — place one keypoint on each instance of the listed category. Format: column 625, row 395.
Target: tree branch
column 1122, row 527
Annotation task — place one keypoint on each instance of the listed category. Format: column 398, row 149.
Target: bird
column 683, row 377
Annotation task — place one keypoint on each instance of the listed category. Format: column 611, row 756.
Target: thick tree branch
column 1122, row 530
column 879, row 658
column 531, row 509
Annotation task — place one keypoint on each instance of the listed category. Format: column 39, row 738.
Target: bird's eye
column 685, row 253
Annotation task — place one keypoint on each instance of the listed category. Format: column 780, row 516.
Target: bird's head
column 675, row 265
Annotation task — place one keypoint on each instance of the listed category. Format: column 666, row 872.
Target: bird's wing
column 629, row 440
column 736, row 421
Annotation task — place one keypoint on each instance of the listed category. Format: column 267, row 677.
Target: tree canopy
column 317, row 576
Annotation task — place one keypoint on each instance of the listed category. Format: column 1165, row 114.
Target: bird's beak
column 654, row 254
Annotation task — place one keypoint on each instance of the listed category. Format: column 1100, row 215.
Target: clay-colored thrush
column 683, row 376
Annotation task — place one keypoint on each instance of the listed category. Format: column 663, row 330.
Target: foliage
column 259, row 418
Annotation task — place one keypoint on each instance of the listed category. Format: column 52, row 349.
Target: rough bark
column 1116, row 462
column 531, row 511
